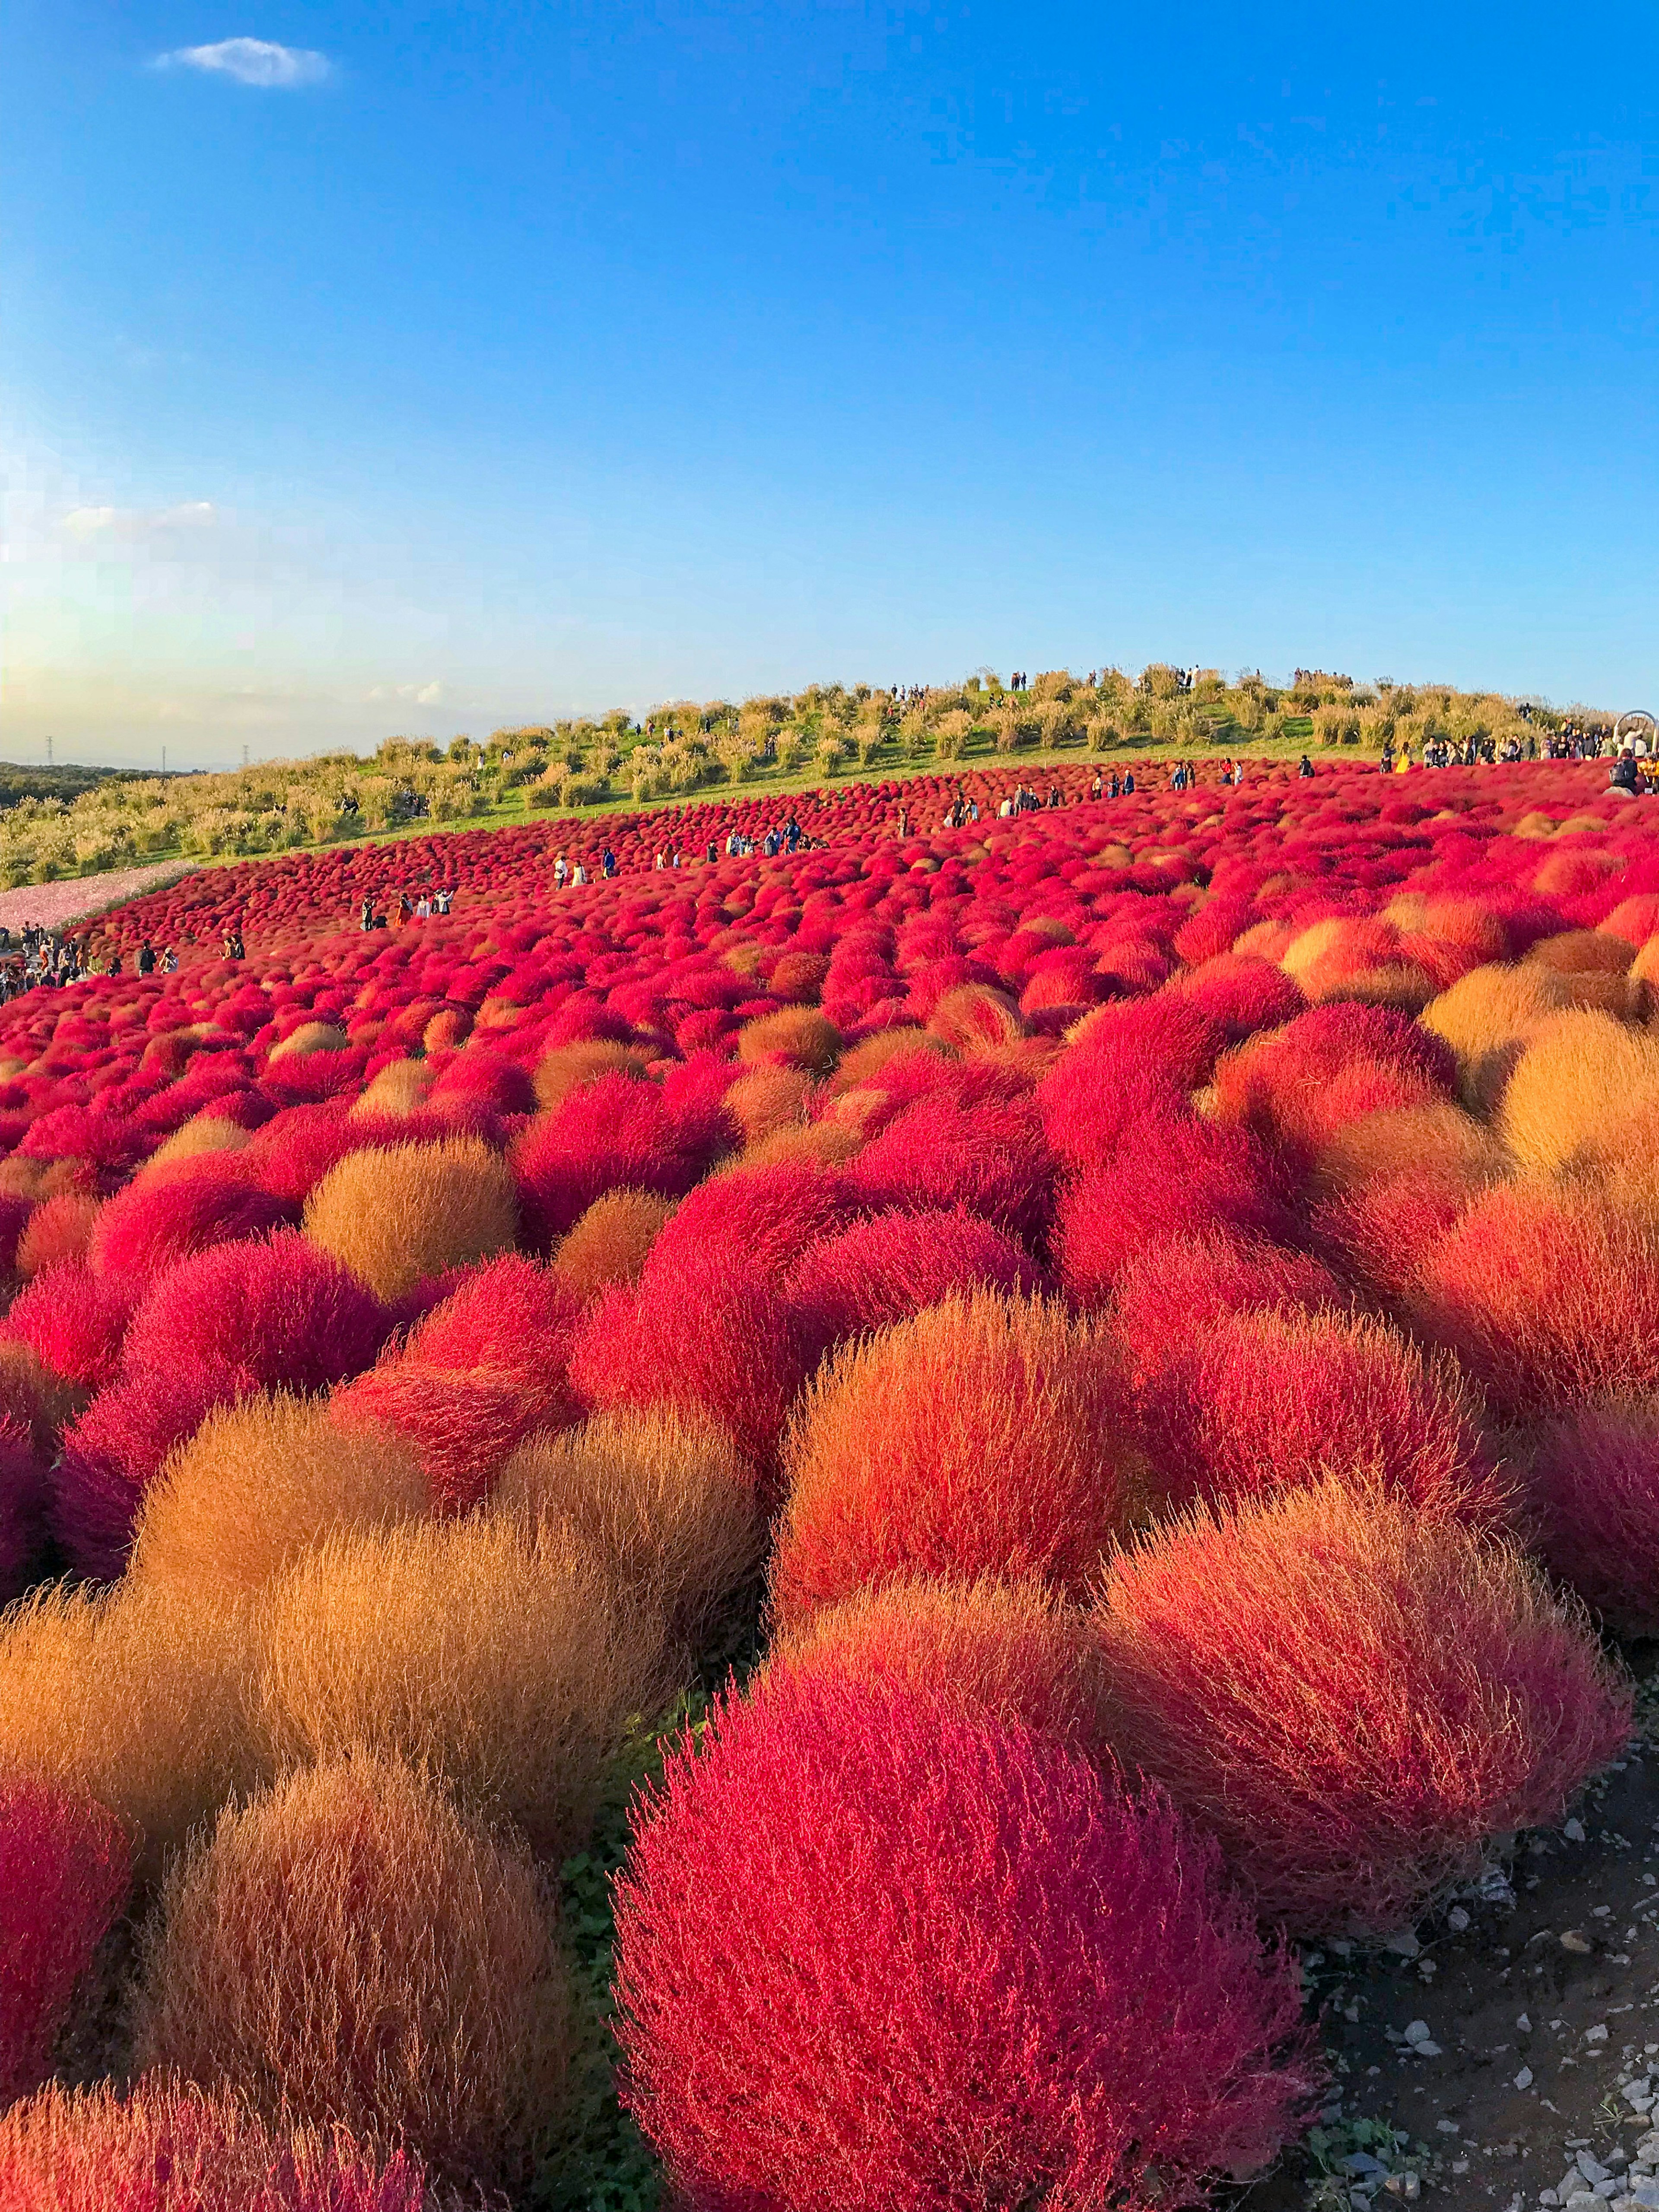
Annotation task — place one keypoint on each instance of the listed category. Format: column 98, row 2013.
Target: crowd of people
column 421, row 907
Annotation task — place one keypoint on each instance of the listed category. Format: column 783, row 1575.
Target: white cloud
column 133, row 522
column 420, row 695
column 254, row 60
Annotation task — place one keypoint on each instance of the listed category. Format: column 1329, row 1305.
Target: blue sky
column 421, row 369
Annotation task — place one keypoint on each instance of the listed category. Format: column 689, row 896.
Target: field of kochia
column 759, row 1537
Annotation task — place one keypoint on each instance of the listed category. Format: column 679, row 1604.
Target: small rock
column 1597, row 2034
column 1403, row 1943
column 1573, row 1830
column 1572, row 1941
column 1591, row 2167
column 1417, row 2030
column 1457, row 1918
column 1523, row 2023
column 1449, row 2127
column 1523, row 2079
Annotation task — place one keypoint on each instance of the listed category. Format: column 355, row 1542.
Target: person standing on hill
column 146, row 958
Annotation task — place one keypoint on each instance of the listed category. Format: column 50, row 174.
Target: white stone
column 1417, row 2030
column 1573, row 1830
column 1523, row 2079
column 1590, row 2166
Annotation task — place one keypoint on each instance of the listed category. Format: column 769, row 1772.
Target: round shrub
column 396, row 1215
column 65, row 1869
column 612, row 1240
column 351, row 1951
column 1546, row 1295
column 74, row 1320
column 796, row 1036
column 1264, row 1400
column 664, row 1503
column 1353, row 1696
column 1010, row 1650
column 134, row 1697
column 59, row 1230
column 1582, row 1094
column 884, row 1269
column 155, row 1222
column 613, row 1134
column 290, row 1316
column 1062, row 1999
column 499, row 1666
column 1593, row 1479
column 988, row 1435
column 1171, row 1181
column 990, row 1158
column 261, row 1482
column 169, row 2147
column 1167, row 1297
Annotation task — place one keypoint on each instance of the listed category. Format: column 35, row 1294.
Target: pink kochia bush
column 1262, row 1400
column 885, row 1269
column 1593, row 1479
column 1000, row 1977
column 1353, row 1695
column 65, row 1869
column 290, row 1316
column 74, row 1322
column 487, row 1367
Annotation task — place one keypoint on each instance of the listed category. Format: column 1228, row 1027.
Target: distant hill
column 68, row 784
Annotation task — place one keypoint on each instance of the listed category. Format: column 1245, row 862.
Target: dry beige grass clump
column 499, row 1665
column 351, row 1950
column 829, row 1143
column 310, row 1037
column 1440, row 1138
column 136, row 1696
column 201, row 1134
column 610, row 1242
column 1490, row 1015
column 262, row 1482
column 399, row 1089
column 1581, row 1095
column 569, row 1065
column 60, row 1229
column 396, row 1215
column 663, row 1500
column 799, row 1036
column 767, row 1099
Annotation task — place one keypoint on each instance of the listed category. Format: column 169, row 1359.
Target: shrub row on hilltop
column 686, row 746
column 1134, row 1318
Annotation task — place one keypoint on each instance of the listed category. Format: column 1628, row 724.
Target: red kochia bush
column 612, row 1133
column 64, row 1868
column 1170, row 1181
column 1169, row 1295
column 164, row 1218
column 172, row 2147
column 1594, row 1481
column 1259, row 1402
column 488, row 1367
column 991, row 1158
column 1352, row 1695
column 882, row 1270
column 765, row 1217
column 700, row 1334
column 1546, row 1294
column 74, row 1322
column 988, row 1435
column 290, row 1316
column 999, row 1979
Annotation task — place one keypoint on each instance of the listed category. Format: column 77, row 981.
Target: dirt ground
column 1472, row 2073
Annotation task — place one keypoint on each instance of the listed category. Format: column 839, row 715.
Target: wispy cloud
column 421, row 695
column 252, row 61
column 134, row 522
